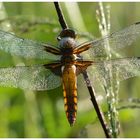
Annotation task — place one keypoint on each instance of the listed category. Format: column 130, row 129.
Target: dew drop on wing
column 117, row 41
column 121, row 69
column 24, row 47
column 32, row 78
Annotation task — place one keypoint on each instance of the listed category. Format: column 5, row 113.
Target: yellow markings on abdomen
column 70, row 92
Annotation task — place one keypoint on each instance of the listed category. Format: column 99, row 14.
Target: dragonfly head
column 67, row 41
column 67, row 33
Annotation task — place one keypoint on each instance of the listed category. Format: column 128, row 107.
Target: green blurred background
column 41, row 114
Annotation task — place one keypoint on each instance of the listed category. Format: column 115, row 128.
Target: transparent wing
column 116, row 40
column 23, row 47
column 121, row 69
column 31, row 78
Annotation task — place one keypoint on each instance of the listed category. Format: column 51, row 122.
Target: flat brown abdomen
column 70, row 92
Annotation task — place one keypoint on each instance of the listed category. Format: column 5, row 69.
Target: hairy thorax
column 67, row 45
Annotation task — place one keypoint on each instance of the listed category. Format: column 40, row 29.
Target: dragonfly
column 67, row 63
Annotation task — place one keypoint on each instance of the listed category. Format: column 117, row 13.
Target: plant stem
column 85, row 75
column 60, row 15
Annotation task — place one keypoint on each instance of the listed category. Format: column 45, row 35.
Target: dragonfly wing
column 121, row 69
column 116, row 40
column 31, row 78
column 23, row 47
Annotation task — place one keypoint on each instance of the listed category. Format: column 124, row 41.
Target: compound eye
column 67, row 33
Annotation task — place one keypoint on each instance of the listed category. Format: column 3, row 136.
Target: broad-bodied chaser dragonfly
column 68, row 65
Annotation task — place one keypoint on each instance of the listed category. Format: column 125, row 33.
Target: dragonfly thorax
column 67, row 43
column 68, row 59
